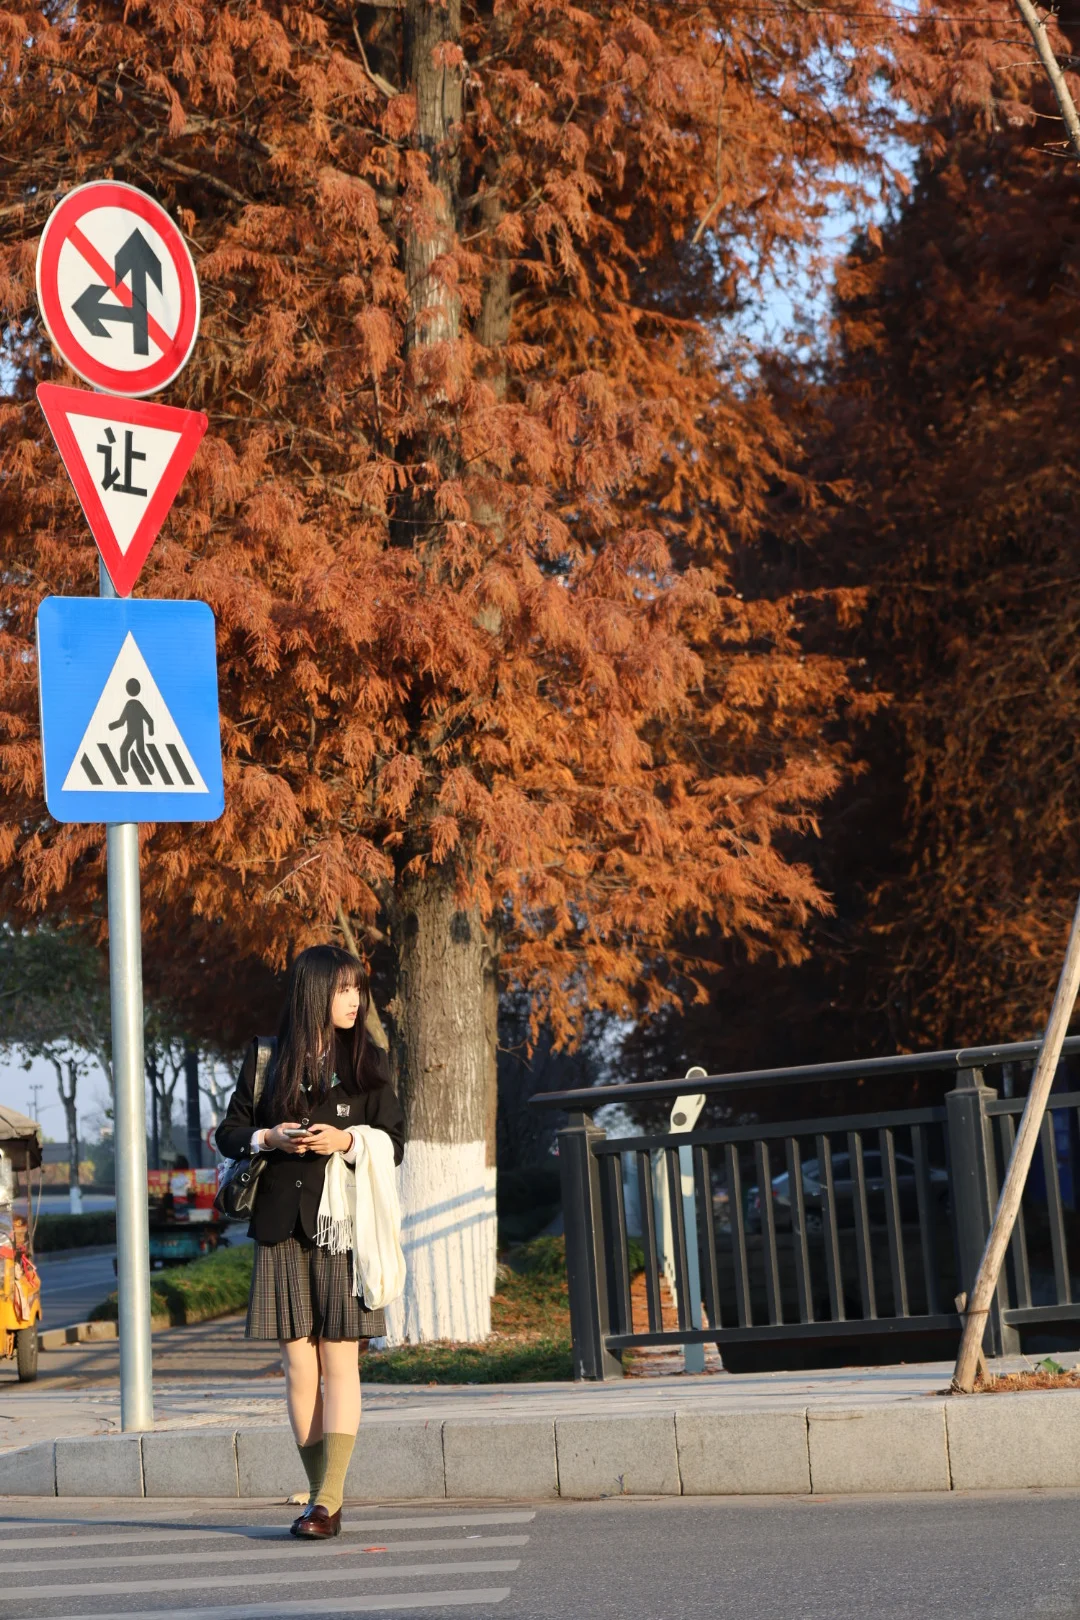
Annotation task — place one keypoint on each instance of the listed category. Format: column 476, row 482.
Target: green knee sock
column 339, row 1448
column 313, row 1458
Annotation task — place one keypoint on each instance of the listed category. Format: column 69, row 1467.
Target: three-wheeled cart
column 20, row 1285
column 183, row 1221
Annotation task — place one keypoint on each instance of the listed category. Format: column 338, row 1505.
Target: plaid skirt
column 300, row 1291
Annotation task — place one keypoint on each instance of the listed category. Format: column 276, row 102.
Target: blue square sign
column 129, row 710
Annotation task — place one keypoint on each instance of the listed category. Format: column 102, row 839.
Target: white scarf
column 359, row 1210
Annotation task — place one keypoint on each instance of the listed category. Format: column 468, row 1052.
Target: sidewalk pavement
column 882, row 1429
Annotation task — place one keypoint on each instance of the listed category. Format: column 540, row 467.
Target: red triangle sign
column 127, row 459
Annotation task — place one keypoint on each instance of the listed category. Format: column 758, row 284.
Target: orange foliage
column 471, row 530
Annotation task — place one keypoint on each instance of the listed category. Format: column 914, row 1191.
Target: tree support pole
column 982, row 1294
column 1037, row 28
column 132, row 1230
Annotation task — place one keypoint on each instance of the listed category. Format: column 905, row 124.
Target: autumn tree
column 947, row 422
column 484, row 441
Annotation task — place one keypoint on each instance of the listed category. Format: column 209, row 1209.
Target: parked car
column 843, row 1190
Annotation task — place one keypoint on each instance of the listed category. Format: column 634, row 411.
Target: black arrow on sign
column 137, row 260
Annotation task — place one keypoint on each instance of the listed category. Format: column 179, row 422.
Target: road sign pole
column 132, row 1234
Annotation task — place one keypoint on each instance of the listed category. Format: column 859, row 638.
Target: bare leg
column 300, row 1362
column 340, row 1362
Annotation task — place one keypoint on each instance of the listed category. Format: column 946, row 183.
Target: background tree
column 942, row 427
column 54, row 1004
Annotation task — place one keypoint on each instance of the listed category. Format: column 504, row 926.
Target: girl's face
column 345, row 1007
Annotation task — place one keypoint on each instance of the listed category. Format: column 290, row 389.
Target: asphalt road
column 73, row 1284
column 59, row 1203
column 892, row 1558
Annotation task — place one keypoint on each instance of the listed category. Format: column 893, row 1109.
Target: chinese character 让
column 111, row 478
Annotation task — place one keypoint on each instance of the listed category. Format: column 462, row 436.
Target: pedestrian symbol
column 129, row 710
column 149, row 750
column 135, row 719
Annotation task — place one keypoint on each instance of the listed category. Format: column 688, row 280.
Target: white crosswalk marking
column 368, row 1570
column 378, row 1603
column 382, row 1572
column 246, row 1532
column 23, row 1566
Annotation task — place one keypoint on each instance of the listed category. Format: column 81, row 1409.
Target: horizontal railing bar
column 1020, row 1315
column 964, row 1057
column 760, row 1133
column 1016, row 1105
column 787, row 1330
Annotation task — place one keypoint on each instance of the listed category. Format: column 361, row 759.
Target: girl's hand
column 327, row 1139
column 274, row 1138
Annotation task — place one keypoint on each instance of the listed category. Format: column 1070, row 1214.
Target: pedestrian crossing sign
column 129, row 710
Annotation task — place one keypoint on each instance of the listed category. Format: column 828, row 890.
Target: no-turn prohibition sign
column 117, row 288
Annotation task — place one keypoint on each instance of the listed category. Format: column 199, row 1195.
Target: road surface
column 59, row 1203
column 893, row 1558
column 73, row 1284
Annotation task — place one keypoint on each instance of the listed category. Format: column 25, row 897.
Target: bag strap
column 265, row 1048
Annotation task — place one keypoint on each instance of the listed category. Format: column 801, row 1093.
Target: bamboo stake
column 1016, row 1176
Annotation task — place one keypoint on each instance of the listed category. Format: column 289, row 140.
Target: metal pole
column 693, row 1354
column 132, row 1230
column 684, row 1116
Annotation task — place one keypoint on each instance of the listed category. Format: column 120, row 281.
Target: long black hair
column 307, row 1039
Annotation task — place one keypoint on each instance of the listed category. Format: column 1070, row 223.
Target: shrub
column 74, row 1231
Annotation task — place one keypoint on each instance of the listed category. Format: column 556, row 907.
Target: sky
column 17, row 1091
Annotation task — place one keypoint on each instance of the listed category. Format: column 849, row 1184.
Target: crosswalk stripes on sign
column 132, row 740
column 242, row 1564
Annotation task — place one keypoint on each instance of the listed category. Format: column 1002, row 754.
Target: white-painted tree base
column 448, row 1233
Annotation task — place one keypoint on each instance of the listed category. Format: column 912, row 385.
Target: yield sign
column 117, row 288
column 127, row 459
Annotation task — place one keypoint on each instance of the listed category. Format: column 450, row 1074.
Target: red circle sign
column 117, row 289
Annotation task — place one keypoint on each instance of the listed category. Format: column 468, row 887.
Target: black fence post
column 586, row 1267
column 974, row 1194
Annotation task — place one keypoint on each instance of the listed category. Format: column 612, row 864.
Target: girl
column 324, row 1077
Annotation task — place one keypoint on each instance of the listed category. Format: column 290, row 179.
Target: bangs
column 351, row 975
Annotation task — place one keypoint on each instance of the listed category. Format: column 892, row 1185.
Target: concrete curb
column 989, row 1442
column 76, row 1333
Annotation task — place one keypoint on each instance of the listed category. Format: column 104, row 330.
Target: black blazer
column 292, row 1183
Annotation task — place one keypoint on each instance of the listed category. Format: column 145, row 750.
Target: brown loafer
column 318, row 1524
column 294, row 1528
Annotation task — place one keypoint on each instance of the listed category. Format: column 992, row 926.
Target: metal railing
column 819, row 1230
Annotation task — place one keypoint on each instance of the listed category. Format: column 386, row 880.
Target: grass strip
column 215, row 1285
column 530, row 1319
column 530, row 1331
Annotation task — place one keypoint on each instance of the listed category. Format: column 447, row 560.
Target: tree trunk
column 447, row 1187
column 434, row 307
column 491, row 1081
column 493, row 331
column 194, row 1111
column 155, row 1111
column 71, row 1116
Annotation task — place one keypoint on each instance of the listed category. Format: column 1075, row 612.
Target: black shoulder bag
column 236, row 1195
